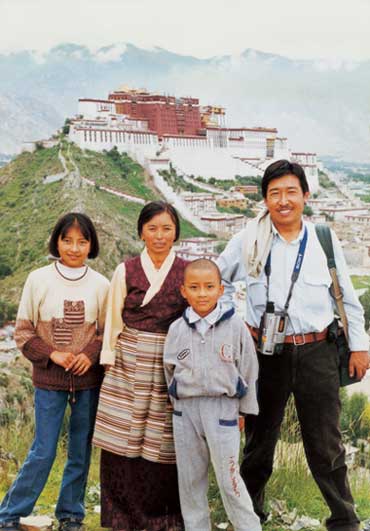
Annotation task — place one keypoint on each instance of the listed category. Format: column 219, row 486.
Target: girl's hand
column 80, row 364
column 64, row 359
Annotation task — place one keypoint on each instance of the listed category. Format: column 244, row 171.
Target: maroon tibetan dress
column 139, row 489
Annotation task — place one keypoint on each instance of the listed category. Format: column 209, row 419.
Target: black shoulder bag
column 339, row 329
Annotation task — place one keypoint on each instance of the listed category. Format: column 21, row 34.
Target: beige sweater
column 60, row 314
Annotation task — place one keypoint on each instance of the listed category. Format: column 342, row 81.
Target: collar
column 149, row 266
column 214, row 318
column 277, row 234
column 211, row 318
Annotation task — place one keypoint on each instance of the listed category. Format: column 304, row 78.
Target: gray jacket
column 222, row 363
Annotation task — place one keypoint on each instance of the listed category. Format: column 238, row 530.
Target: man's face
column 285, row 201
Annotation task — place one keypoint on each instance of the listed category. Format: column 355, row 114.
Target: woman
column 59, row 328
column 133, row 426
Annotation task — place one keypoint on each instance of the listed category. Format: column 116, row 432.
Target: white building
column 341, row 214
column 215, row 151
column 194, row 248
column 224, row 224
column 308, row 161
column 199, row 203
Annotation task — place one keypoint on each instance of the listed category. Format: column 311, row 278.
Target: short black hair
column 280, row 168
column 153, row 209
column 74, row 219
column 203, row 264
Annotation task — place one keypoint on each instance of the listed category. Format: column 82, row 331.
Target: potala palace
column 164, row 132
column 194, row 138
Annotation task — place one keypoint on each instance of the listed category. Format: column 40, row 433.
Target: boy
column 211, row 370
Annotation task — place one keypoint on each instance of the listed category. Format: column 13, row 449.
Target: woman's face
column 74, row 248
column 159, row 233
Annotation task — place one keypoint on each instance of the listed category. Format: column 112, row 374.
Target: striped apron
column 134, row 417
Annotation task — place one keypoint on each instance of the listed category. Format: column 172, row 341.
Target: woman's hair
column 74, row 219
column 280, row 168
column 153, row 209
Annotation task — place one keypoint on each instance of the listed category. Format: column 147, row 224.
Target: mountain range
column 319, row 105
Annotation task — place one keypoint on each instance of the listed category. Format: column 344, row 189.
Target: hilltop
column 36, row 188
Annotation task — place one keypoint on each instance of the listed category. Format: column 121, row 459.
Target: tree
column 220, row 247
column 307, row 211
column 66, row 127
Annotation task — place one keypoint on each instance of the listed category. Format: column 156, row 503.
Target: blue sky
column 203, row 28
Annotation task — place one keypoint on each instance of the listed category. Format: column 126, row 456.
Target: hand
column 241, row 423
column 64, row 359
column 79, row 365
column 359, row 362
column 107, row 367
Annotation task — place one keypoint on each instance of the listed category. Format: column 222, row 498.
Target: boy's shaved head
column 202, row 264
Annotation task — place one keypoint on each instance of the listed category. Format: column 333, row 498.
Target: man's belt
column 296, row 339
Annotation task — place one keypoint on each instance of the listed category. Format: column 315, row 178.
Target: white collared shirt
column 311, row 307
column 203, row 324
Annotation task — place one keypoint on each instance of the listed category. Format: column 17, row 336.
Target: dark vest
column 164, row 308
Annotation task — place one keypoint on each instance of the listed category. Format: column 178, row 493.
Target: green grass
column 120, row 173
column 291, row 482
column 360, row 281
column 177, row 182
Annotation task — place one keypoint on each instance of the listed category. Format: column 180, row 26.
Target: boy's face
column 202, row 289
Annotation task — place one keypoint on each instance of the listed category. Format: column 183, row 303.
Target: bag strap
column 324, row 236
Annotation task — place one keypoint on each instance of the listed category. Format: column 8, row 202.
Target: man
column 265, row 255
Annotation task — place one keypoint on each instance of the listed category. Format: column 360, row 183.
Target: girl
column 59, row 328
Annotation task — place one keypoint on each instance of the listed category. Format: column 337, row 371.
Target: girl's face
column 73, row 248
column 159, row 233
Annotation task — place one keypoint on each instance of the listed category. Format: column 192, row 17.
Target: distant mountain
column 321, row 106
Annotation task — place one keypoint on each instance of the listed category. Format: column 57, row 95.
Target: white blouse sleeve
column 113, row 320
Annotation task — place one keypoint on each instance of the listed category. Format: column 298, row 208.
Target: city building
column 233, row 201
column 193, row 248
column 246, row 188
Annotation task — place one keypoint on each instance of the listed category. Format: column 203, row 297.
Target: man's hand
column 79, row 365
column 64, row 359
column 358, row 363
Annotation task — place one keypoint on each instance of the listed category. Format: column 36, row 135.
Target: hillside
column 30, row 207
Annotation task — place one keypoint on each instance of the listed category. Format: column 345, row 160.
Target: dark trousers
column 310, row 372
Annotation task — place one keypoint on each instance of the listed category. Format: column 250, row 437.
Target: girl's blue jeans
column 50, row 407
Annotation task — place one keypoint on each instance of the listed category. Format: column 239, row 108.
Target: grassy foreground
column 291, row 481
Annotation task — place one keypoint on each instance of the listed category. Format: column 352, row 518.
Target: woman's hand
column 64, row 359
column 80, row 364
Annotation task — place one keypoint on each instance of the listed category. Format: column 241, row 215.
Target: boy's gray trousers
column 206, row 428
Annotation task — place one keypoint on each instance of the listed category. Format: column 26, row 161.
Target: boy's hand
column 64, row 359
column 241, row 423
